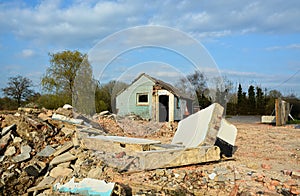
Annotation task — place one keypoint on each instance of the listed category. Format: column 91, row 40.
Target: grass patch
column 296, row 121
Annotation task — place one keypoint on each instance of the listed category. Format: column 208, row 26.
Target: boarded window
column 142, row 99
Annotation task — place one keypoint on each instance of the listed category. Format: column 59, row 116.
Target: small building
column 153, row 99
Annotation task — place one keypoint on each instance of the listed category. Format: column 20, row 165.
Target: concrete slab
column 268, row 119
column 200, row 128
column 127, row 140
column 227, row 132
column 226, row 138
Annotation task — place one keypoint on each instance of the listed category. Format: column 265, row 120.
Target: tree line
column 58, row 84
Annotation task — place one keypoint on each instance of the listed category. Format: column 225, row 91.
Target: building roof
column 165, row 85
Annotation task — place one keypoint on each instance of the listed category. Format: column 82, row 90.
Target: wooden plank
column 177, row 157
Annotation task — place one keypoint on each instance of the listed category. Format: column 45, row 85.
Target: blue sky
column 251, row 42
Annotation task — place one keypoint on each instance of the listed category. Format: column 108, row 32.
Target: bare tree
column 18, row 88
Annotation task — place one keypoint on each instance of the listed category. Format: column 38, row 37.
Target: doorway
column 163, row 108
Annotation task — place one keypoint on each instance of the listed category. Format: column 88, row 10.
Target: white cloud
column 291, row 46
column 27, row 53
column 81, row 22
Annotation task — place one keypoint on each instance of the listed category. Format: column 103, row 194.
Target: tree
column 18, row 88
column 251, row 99
column 260, row 101
column 60, row 76
column 194, row 85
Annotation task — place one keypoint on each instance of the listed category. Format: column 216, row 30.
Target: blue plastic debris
column 86, row 187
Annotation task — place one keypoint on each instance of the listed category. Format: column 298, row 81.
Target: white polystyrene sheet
column 227, row 132
column 128, row 140
column 192, row 130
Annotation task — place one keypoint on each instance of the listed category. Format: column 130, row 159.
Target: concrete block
column 200, row 128
column 46, row 152
column 226, row 138
column 268, row 119
column 63, row 158
column 60, row 171
column 5, row 130
column 67, row 119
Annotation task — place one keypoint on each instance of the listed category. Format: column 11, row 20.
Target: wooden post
column 278, row 111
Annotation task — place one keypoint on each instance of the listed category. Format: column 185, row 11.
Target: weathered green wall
column 126, row 102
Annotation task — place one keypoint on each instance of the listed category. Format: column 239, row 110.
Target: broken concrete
column 60, row 171
column 10, row 151
column 5, row 130
column 268, row 119
column 67, row 119
column 226, row 138
column 200, row 128
column 64, row 148
column 67, row 156
column 46, row 152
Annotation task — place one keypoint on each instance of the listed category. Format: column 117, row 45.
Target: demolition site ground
column 267, row 161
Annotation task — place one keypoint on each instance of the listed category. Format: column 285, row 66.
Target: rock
column 266, row 166
column 10, row 151
column 160, row 172
column 67, row 106
column 103, row 113
column 221, row 178
column 64, row 148
column 46, row 152
column 64, row 112
column 25, row 149
column 67, row 119
column 43, row 117
column 21, row 157
column 63, row 158
column 67, row 131
column 35, row 169
column 4, row 141
column 17, row 140
column 296, row 174
column 60, row 171
column 212, row 176
column 95, row 172
column 120, row 155
column 5, row 130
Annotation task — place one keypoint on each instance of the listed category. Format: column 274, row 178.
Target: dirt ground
column 267, row 162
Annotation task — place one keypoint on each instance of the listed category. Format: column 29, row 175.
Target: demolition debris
column 45, row 152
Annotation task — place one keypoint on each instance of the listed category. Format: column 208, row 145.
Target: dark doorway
column 163, row 108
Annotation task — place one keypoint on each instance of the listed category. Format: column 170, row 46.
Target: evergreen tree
column 251, row 99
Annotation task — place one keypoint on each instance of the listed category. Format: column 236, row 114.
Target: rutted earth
column 266, row 163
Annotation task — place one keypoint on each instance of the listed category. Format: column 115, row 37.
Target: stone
column 10, row 151
column 60, row 171
column 25, row 149
column 46, row 183
column 64, row 148
column 21, row 157
column 43, row 117
column 67, row 106
column 4, row 141
column 296, row 174
column 17, row 140
column 46, row 152
column 266, row 166
column 63, row 158
column 5, row 130
column 35, row 169
column 221, row 178
column 104, row 113
column 67, row 119
column 95, row 172
column 67, row 131
column 212, row 176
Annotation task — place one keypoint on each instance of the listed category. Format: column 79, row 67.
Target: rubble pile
column 40, row 150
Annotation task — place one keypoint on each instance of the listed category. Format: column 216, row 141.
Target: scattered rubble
column 42, row 155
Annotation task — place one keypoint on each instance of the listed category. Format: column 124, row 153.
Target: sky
column 248, row 42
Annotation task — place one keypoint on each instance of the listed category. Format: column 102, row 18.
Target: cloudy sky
column 251, row 42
